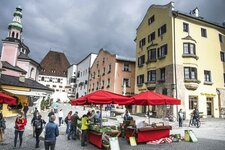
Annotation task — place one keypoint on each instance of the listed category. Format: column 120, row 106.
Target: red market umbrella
column 153, row 98
column 103, row 97
column 7, row 99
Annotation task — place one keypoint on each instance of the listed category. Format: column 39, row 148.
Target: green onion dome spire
column 16, row 23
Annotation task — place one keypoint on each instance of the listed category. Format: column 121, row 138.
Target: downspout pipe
column 174, row 53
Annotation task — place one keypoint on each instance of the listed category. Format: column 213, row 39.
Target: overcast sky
column 78, row 27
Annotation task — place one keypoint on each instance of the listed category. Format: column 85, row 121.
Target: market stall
column 99, row 134
column 150, row 132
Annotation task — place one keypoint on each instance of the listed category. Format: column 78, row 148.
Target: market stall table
column 96, row 137
column 147, row 134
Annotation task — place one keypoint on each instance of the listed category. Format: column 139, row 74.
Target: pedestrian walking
column 60, row 115
column 2, row 127
column 84, row 129
column 25, row 110
column 20, row 124
column 38, row 123
column 180, row 117
column 51, row 113
column 68, row 121
column 32, row 122
column 51, row 132
column 35, row 111
column 73, row 127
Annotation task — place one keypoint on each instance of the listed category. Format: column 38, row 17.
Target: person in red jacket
column 20, row 123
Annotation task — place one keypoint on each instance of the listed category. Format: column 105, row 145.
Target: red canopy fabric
column 7, row 99
column 103, row 97
column 153, row 98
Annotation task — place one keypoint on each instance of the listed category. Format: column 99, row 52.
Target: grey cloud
column 78, row 27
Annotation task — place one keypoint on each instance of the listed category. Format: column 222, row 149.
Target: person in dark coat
column 73, row 126
column 35, row 111
column 25, row 110
column 180, row 117
column 51, row 113
column 2, row 127
column 38, row 123
column 32, row 122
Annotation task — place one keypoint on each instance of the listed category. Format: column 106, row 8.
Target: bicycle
column 195, row 122
column 169, row 117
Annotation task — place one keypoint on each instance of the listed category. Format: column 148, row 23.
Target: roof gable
column 54, row 64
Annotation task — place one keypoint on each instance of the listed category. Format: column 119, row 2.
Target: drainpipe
column 174, row 53
column 219, row 101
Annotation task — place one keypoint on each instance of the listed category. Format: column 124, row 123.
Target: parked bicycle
column 169, row 117
column 195, row 122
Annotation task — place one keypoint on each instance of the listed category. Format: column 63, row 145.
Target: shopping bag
column 114, row 143
column 132, row 141
column 193, row 137
column 187, row 135
column 42, row 135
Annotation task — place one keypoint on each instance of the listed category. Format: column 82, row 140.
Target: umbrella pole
column 148, row 115
column 101, row 116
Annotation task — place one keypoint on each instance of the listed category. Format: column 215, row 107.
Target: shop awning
column 26, row 93
column 7, row 99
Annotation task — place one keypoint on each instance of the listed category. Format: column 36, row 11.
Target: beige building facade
column 112, row 73
column 181, row 55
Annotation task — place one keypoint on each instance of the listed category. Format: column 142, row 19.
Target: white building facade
column 71, row 80
column 82, row 75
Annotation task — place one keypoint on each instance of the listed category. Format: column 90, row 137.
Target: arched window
column 31, row 72
column 17, row 35
column 13, row 34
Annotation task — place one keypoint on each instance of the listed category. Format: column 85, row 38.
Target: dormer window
column 53, row 71
column 151, row 19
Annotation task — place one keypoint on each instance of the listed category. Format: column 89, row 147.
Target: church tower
column 12, row 44
column 15, row 27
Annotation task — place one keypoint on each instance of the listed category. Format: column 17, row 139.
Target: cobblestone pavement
column 211, row 135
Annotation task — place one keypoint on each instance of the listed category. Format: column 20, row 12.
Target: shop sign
column 208, row 94
column 142, row 89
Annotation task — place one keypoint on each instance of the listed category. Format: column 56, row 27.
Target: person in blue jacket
column 51, row 132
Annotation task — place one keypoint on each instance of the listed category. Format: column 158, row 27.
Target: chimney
column 172, row 6
column 195, row 12
column 22, row 78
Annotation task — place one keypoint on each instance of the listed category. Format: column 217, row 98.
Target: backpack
column 38, row 124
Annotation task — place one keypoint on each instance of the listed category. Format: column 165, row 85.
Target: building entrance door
column 209, row 106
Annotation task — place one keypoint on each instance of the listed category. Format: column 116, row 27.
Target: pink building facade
column 112, row 73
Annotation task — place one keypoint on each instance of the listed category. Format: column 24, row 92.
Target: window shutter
column 158, row 52
column 165, row 28
column 158, row 31
column 166, row 49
